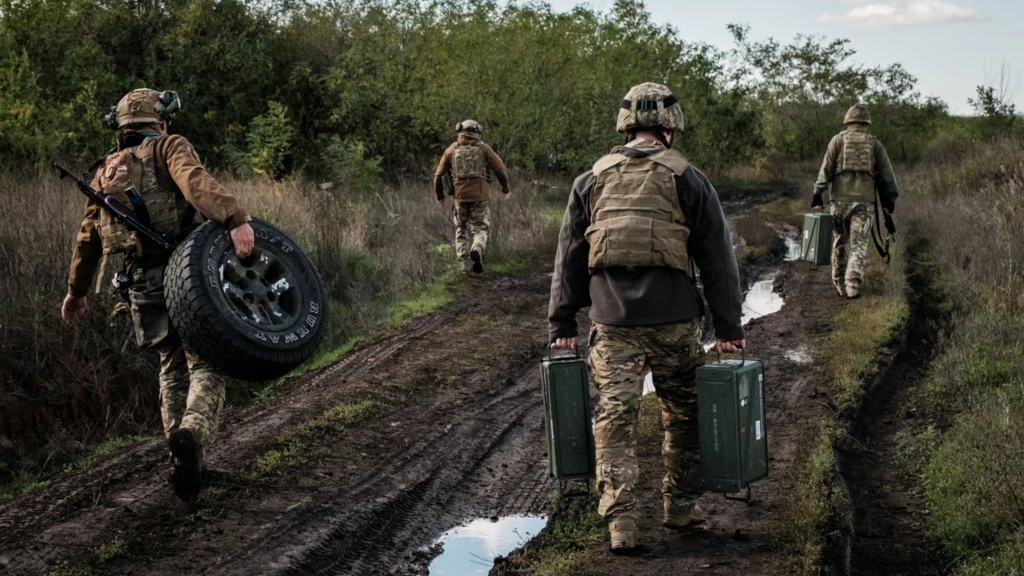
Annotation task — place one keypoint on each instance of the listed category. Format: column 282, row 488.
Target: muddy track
column 457, row 436
column 885, row 532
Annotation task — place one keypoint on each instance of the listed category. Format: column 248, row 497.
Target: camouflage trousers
column 619, row 359
column 851, row 224
column 191, row 391
column 472, row 223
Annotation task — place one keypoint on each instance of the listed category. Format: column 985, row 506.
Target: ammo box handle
column 743, row 359
column 575, row 351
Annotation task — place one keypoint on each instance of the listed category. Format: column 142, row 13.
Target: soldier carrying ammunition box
column 634, row 226
column 857, row 169
column 160, row 176
column 470, row 164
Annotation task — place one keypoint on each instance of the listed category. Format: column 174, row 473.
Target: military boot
column 852, row 291
column 625, row 535
column 679, row 516
column 188, row 463
column 478, row 260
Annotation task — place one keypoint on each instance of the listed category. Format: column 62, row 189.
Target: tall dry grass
column 967, row 203
column 62, row 388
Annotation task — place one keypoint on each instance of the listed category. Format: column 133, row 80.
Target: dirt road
column 358, row 468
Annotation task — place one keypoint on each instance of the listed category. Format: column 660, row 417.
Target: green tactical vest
column 635, row 217
column 468, row 161
column 854, row 180
column 165, row 204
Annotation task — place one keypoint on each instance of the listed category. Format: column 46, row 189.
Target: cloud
column 885, row 14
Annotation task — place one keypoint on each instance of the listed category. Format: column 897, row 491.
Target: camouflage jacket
column 885, row 178
column 471, row 189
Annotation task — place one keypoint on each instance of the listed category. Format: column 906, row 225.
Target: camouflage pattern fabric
column 619, row 359
column 472, row 223
column 649, row 105
column 851, row 224
column 191, row 392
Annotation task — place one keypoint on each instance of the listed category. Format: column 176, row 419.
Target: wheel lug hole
column 250, row 274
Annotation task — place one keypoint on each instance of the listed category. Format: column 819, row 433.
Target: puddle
column 800, row 356
column 793, row 249
column 471, row 549
column 762, row 299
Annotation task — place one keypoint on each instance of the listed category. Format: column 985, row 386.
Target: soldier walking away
column 470, row 164
column 634, row 225
column 857, row 169
column 170, row 187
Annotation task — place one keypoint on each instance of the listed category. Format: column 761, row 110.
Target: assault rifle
column 120, row 210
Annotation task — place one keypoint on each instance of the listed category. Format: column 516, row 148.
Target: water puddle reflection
column 471, row 549
column 793, row 249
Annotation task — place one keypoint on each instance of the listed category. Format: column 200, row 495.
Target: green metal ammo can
column 817, row 240
column 568, row 424
column 733, row 436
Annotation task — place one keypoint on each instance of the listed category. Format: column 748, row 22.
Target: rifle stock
column 119, row 210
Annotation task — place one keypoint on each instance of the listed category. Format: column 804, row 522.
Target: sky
column 952, row 46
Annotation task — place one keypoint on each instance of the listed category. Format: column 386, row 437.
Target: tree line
column 349, row 88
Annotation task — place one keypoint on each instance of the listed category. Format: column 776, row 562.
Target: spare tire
column 255, row 318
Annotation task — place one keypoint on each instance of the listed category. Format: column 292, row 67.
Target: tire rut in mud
column 886, row 531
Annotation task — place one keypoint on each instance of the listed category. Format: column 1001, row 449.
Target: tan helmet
column 857, row 114
column 469, row 126
column 649, row 105
column 144, row 106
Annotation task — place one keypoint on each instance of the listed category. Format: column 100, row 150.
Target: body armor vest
column 468, row 161
column 165, row 204
column 854, row 180
column 635, row 217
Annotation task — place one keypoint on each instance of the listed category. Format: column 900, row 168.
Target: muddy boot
column 679, row 516
column 478, row 261
column 841, row 290
column 852, row 291
column 625, row 536
column 188, row 463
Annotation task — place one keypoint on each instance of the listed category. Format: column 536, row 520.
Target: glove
column 817, row 201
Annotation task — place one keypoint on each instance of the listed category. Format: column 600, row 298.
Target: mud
column 886, row 532
column 458, row 436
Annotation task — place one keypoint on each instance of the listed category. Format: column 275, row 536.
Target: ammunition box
column 817, row 239
column 731, row 421
column 568, row 423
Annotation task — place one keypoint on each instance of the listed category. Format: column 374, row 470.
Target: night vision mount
column 168, row 105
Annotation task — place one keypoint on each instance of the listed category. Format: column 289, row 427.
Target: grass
column 565, row 546
column 111, row 550
column 22, row 483
column 63, row 568
column 294, row 444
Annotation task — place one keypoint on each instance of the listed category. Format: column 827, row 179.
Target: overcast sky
column 947, row 44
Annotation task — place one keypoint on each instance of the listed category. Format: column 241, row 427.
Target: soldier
column 857, row 168
column 470, row 164
column 634, row 224
column 173, row 186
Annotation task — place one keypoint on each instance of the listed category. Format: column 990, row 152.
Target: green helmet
column 649, row 105
column 857, row 114
column 144, row 106
column 469, row 126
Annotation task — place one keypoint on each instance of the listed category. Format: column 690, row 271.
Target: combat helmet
column 143, row 106
column 649, row 105
column 469, row 126
column 857, row 114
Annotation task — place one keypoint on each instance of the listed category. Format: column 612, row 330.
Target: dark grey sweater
column 647, row 296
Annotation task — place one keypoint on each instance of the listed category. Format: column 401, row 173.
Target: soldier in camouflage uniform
column 172, row 186
column 857, row 168
column 470, row 164
column 634, row 226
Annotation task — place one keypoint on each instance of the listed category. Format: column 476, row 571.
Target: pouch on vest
column 115, row 178
column 469, row 162
column 854, row 181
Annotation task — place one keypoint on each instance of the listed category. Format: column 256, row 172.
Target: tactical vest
column 166, row 205
column 468, row 161
column 635, row 217
column 854, row 180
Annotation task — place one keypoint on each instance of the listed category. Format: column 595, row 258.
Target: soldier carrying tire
column 161, row 178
